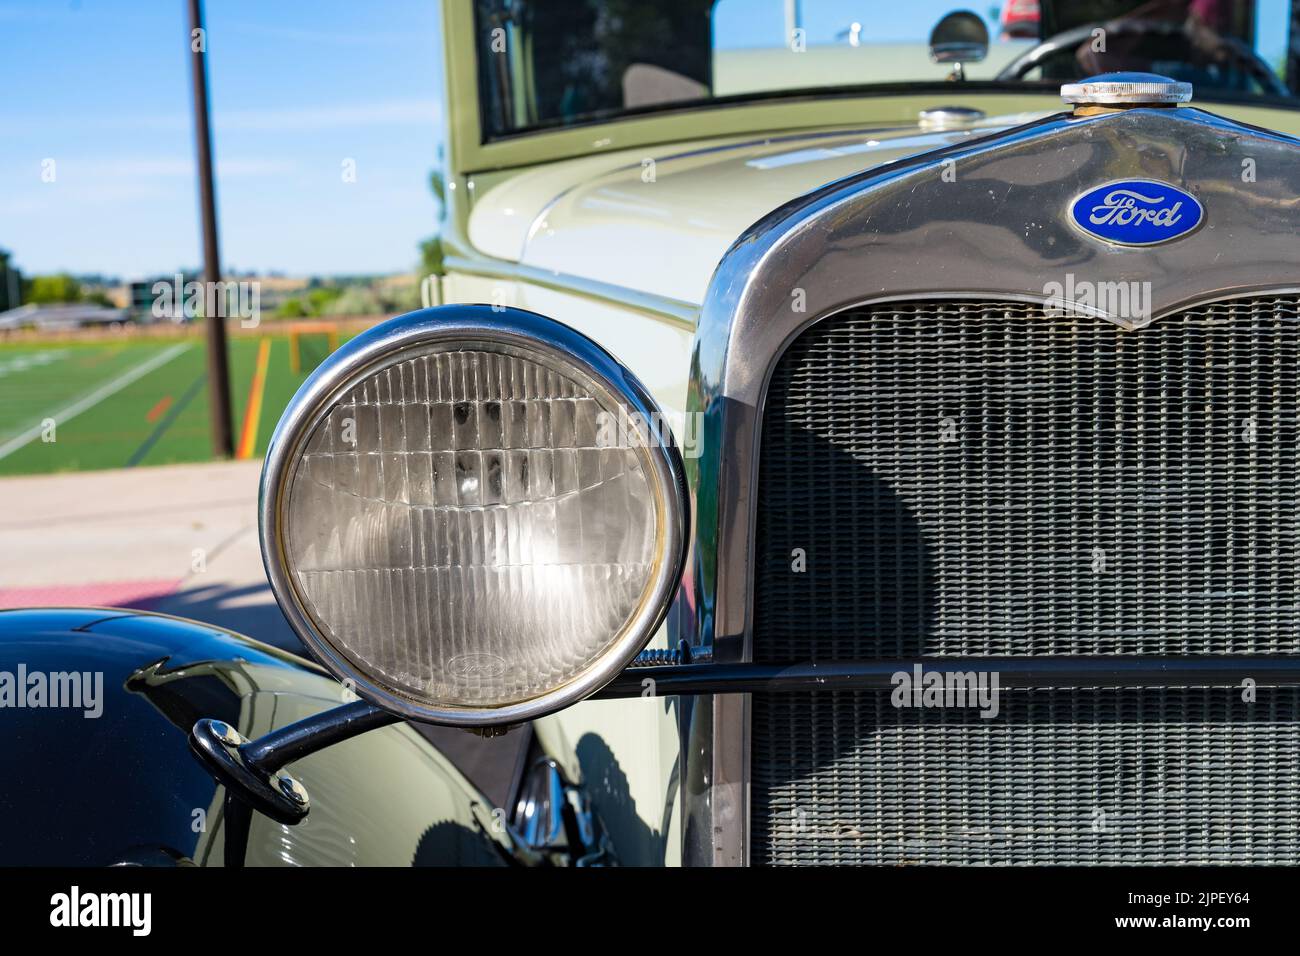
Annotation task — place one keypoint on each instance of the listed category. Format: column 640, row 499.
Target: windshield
column 543, row 63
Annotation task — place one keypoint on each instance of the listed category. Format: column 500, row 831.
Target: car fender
column 97, row 705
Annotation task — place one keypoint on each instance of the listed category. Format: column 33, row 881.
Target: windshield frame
column 470, row 151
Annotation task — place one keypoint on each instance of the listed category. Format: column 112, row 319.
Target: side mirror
column 960, row 37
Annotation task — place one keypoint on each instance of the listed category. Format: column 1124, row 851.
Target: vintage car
column 834, row 447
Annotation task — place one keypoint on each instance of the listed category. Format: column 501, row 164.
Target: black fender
column 107, row 776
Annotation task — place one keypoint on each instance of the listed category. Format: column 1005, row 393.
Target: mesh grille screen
column 1191, row 776
column 977, row 478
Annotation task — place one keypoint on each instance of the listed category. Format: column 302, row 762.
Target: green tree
column 356, row 300
column 292, row 309
column 319, row 299
column 431, row 254
column 314, row 302
column 55, row 288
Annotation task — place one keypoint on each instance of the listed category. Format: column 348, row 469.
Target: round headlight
column 475, row 516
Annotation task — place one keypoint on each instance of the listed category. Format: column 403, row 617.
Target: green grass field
column 131, row 403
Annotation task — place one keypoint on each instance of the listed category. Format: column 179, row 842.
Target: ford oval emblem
column 1136, row 212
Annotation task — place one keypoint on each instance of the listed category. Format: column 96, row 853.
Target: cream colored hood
column 660, row 222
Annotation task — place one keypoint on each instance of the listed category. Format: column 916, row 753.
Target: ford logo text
column 1136, row 212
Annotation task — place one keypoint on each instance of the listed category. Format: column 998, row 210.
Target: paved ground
column 181, row 539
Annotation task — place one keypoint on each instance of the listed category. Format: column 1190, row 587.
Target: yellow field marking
column 253, row 410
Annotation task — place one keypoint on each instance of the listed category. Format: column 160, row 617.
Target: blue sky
column 102, row 88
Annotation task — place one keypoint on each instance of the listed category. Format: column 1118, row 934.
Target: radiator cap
column 1127, row 89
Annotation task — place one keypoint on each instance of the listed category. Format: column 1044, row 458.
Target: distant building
column 11, row 284
column 50, row 318
column 141, row 298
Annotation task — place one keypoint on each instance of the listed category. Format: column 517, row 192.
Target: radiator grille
column 1189, row 776
column 977, row 478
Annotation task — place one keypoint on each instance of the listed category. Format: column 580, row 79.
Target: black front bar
column 250, row 769
column 1063, row 672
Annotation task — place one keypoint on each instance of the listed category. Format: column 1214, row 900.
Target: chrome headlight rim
column 412, row 334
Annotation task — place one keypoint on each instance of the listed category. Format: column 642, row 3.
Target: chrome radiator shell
column 983, row 220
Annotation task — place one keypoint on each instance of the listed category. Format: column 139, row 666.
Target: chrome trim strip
column 675, row 312
column 984, row 219
column 396, row 340
column 1046, row 671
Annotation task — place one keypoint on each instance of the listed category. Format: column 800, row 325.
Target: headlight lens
column 466, row 529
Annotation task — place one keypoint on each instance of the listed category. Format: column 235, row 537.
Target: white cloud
column 296, row 119
column 184, row 167
column 81, row 169
column 314, row 37
column 389, row 113
column 92, row 181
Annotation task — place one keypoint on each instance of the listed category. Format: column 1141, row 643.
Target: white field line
column 93, row 398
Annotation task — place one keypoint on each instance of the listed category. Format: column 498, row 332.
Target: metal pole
column 223, row 432
column 1293, row 64
column 793, row 19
